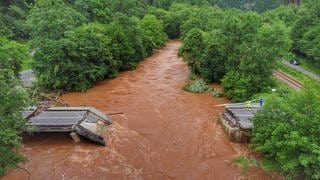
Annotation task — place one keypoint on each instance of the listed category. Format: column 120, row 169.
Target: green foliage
column 128, row 37
column 216, row 92
column 286, row 130
column 13, row 99
column 238, row 49
column 91, row 57
column 205, row 18
column 191, row 49
column 310, row 44
column 50, row 19
column 77, row 61
column 178, row 14
column 95, row 10
column 12, row 54
column 4, row 30
column 121, row 47
column 213, row 58
column 166, row 4
column 244, row 163
column 153, row 30
column 196, row 86
column 259, row 6
column 305, row 31
column 103, row 11
column 287, row 14
column 12, row 19
column 255, row 69
column 72, row 56
column 137, row 8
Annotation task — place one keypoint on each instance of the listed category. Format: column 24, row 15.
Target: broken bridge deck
column 81, row 120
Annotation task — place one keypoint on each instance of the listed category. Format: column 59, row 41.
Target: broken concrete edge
column 75, row 137
column 90, row 135
column 234, row 134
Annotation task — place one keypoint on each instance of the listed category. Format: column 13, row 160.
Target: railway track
column 287, row 79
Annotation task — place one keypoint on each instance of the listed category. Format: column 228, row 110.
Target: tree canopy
column 12, row 54
column 286, row 131
column 239, row 49
column 13, row 99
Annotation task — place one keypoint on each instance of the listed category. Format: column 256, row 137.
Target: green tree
column 192, row 48
column 310, row 44
column 287, row 14
column 77, row 61
column 95, row 10
column 213, row 59
column 13, row 99
column 4, row 30
column 178, row 14
column 153, row 31
column 12, row 54
column 126, row 41
column 130, row 8
column 13, row 14
column 307, row 18
column 205, row 18
column 286, row 131
column 255, row 69
column 50, row 19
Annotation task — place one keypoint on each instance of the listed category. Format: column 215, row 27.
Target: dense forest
column 75, row 43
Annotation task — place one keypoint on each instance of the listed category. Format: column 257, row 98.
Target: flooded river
column 163, row 133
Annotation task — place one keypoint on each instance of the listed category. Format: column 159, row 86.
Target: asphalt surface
column 300, row 69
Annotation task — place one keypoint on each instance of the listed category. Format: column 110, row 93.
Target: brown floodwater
column 163, row 133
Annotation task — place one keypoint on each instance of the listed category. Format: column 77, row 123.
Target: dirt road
column 164, row 133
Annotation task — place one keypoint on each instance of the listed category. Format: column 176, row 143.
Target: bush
column 13, row 99
column 196, row 86
column 77, row 61
column 286, row 131
column 153, row 30
column 216, row 92
column 12, row 54
column 191, row 49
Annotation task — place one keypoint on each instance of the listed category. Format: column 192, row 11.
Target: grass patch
column 244, row 163
column 307, row 65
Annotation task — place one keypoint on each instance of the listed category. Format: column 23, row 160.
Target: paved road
column 300, row 69
column 27, row 77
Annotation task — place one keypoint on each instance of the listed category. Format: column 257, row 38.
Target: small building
column 237, row 122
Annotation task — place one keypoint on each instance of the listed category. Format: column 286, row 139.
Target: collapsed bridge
column 85, row 121
column 237, row 121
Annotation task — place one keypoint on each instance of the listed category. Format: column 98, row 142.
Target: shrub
column 13, row 99
column 77, row 61
column 12, row 54
column 286, row 131
column 216, row 92
column 197, row 86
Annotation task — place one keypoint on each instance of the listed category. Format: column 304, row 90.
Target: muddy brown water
column 164, row 133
